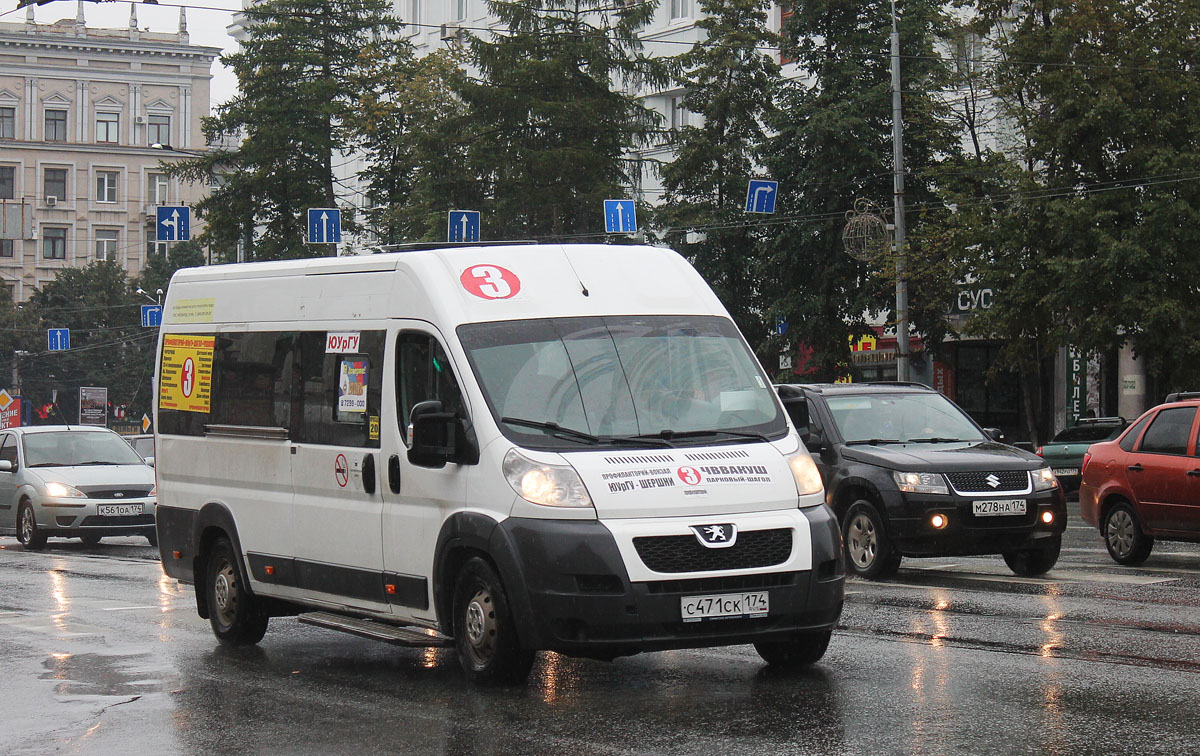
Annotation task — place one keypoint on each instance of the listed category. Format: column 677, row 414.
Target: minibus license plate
column 696, row 608
column 997, row 507
column 118, row 510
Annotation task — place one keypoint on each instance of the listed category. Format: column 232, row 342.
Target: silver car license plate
column 696, row 608
column 998, row 507
column 118, row 510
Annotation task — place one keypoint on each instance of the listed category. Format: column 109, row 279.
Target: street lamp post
column 902, row 356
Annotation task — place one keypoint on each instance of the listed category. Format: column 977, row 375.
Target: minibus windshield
column 566, row 383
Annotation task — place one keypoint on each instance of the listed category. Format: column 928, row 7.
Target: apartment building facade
column 86, row 117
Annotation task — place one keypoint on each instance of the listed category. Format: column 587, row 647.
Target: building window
column 8, row 123
column 56, row 125
column 8, row 182
column 676, row 113
column 155, row 247
column 156, row 188
column 106, row 186
column 158, row 129
column 106, row 244
column 54, row 243
column 55, row 184
column 415, row 13
column 7, row 247
column 107, row 125
column 681, row 9
column 460, row 10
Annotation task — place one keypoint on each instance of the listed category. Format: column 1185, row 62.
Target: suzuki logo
column 716, row 536
column 992, row 481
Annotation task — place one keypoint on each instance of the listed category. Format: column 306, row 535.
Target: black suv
column 910, row 474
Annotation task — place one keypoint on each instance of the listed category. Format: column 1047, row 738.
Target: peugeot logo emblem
column 992, row 480
column 716, row 536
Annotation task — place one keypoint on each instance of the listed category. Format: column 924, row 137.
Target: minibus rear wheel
column 235, row 616
column 800, row 651
column 485, row 635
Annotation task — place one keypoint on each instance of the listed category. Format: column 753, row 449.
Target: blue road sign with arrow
column 58, row 339
column 324, row 225
column 620, row 216
column 174, row 223
column 760, row 196
column 151, row 316
column 463, row 226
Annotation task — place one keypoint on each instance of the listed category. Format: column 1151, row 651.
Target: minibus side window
column 251, row 372
column 423, row 373
column 336, row 396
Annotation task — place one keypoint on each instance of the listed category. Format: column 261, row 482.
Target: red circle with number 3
column 490, row 282
column 689, row 475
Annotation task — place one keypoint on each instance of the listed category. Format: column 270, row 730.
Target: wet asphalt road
column 102, row 654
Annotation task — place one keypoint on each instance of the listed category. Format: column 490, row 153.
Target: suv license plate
column 696, row 608
column 998, row 507
column 118, row 510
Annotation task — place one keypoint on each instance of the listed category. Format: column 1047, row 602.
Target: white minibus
column 500, row 448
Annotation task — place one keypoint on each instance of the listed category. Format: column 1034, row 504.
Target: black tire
column 485, row 635
column 1035, row 561
column 28, row 533
column 152, row 537
column 869, row 551
column 800, row 651
column 1127, row 543
column 90, row 540
column 235, row 616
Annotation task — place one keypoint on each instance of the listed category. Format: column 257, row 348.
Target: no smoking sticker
column 341, row 470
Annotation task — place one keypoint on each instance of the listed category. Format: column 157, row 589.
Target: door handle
column 394, row 474
column 368, row 474
column 1194, row 473
column 1136, row 468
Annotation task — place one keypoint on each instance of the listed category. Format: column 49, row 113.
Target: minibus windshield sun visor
column 652, row 381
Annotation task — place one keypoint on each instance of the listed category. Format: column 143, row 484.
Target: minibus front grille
column 684, row 553
column 757, row 582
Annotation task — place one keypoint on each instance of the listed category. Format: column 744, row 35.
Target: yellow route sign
column 185, row 382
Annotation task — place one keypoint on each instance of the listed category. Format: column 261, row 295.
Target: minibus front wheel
column 235, row 616
column 485, row 635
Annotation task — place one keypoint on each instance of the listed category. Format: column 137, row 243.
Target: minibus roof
column 447, row 286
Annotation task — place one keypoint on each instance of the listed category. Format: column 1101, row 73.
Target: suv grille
column 754, row 548
column 1010, row 480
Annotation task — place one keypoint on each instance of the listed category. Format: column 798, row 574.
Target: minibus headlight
column 62, row 490
column 916, row 482
column 805, row 473
column 1043, row 479
column 547, row 485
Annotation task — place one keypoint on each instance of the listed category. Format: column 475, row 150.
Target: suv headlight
column 1043, row 479
column 547, row 485
column 63, row 491
column 805, row 473
column 914, row 482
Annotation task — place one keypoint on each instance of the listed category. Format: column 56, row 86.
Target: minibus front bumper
column 574, row 594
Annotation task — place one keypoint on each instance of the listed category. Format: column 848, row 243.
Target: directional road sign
column 324, row 225
column 174, row 223
column 760, row 196
column 463, row 226
column 620, row 217
column 781, row 326
column 151, row 316
column 58, row 339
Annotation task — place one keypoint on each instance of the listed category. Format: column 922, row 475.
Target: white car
column 73, row 482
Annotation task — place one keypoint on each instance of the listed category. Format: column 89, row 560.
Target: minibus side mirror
column 439, row 437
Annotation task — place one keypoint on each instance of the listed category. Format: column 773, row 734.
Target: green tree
column 833, row 145
column 1086, row 231
column 730, row 80
column 301, row 73
column 556, row 119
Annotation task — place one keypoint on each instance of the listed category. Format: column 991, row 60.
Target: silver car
column 73, row 482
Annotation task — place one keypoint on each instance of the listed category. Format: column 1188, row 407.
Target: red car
column 1145, row 484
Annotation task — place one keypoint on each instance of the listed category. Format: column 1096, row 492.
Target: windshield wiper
column 671, row 435
column 875, row 441
column 97, row 462
column 936, row 440
column 47, row 464
column 559, row 431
